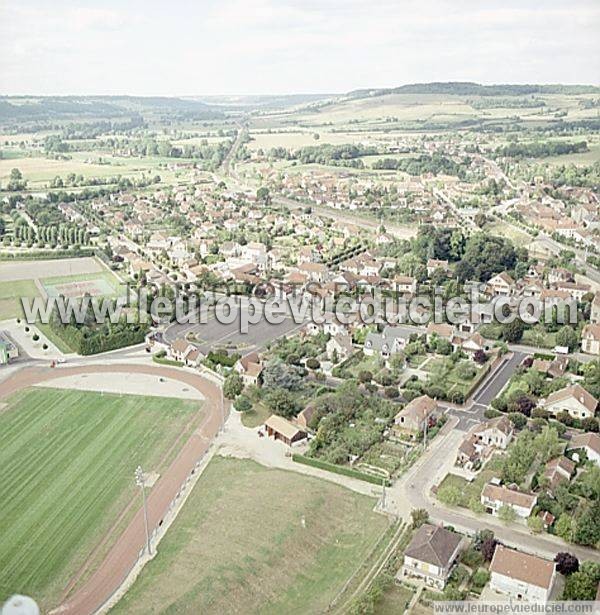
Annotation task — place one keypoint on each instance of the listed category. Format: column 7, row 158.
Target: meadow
column 240, row 545
column 68, row 459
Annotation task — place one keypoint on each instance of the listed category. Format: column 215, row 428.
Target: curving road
column 104, row 581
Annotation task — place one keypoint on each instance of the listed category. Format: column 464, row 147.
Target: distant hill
column 468, row 88
column 52, row 108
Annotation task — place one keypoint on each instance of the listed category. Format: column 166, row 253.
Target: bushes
column 331, row 467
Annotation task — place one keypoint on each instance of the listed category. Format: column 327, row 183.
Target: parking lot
column 214, row 334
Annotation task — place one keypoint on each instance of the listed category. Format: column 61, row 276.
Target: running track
column 114, row 569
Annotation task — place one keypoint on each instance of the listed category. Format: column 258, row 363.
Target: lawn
column 10, row 297
column 394, row 600
column 474, row 488
column 67, row 460
column 256, row 417
column 239, row 545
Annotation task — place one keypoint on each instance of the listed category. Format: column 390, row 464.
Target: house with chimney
column 494, row 497
column 574, row 399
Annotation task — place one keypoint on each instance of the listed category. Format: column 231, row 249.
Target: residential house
column 595, row 313
column 481, row 441
column 431, row 555
column 494, row 497
column 283, row 430
column 250, row 368
column 574, row 399
column 557, row 471
column 390, row 341
column 416, row 416
column 434, row 264
column 501, row 285
column 590, row 339
column 405, row 284
column 181, row 350
column 340, row 347
column 441, row 330
column 304, row 417
column 522, row 576
column 589, row 442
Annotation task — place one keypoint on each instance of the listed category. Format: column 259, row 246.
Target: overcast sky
column 201, row 47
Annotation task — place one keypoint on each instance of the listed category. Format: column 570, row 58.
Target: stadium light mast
column 139, row 481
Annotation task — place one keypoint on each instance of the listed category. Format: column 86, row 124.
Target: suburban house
column 501, row 285
column 441, row 330
column 496, row 432
column 181, row 350
column 522, row 576
column 494, row 497
column 249, row 368
column 339, row 346
column 433, row 264
column 431, row 555
column 590, row 339
column 595, row 313
column 405, row 284
column 574, row 399
column 589, row 442
column 390, row 341
column 481, row 440
column 415, row 416
column 281, row 429
column 558, row 470
column 304, row 417
column 470, row 345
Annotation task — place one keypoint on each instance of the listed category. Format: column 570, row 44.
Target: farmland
column 68, row 459
column 239, row 545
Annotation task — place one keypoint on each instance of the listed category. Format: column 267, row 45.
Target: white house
column 431, row 555
column 589, row 442
column 501, row 285
column 340, row 345
column 495, row 497
column 574, row 399
column 590, row 339
column 522, row 576
column 390, row 341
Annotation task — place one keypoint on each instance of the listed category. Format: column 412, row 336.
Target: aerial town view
column 299, row 307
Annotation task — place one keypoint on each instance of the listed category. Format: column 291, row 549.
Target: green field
column 12, row 291
column 238, row 546
column 67, row 460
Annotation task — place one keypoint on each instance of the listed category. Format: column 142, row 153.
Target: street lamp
column 139, row 481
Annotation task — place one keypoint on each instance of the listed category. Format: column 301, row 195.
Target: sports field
column 68, row 459
column 72, row 277
column 240, row 546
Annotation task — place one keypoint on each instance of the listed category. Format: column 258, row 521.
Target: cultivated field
column 239, row 545
column 67, row 460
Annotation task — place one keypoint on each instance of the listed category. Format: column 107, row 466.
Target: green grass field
column 67, row 460
column 238, row 546
column 12, row 291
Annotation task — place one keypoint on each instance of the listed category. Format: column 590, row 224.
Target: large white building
column 522, row 576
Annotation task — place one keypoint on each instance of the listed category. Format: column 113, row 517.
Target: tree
column 281, row 402
column 419, row 517
column 566, row 563
column 365, row 376
column 233, row 385
column 564, row 527
column 583, row 584
column 547, row 443
column 587, row 529
column 535, row 524
column 512, row 332
column 479, row 357
column 567, row 336
column 243, row 404
column 488, row 548
column 521, row 403
column 518, row 420
column 507, row 513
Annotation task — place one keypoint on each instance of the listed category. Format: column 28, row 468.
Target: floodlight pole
column 139, row 479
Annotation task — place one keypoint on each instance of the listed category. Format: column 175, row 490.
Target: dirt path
column 122, row 557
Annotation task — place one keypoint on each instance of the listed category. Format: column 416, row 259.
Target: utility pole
column 139, row 481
